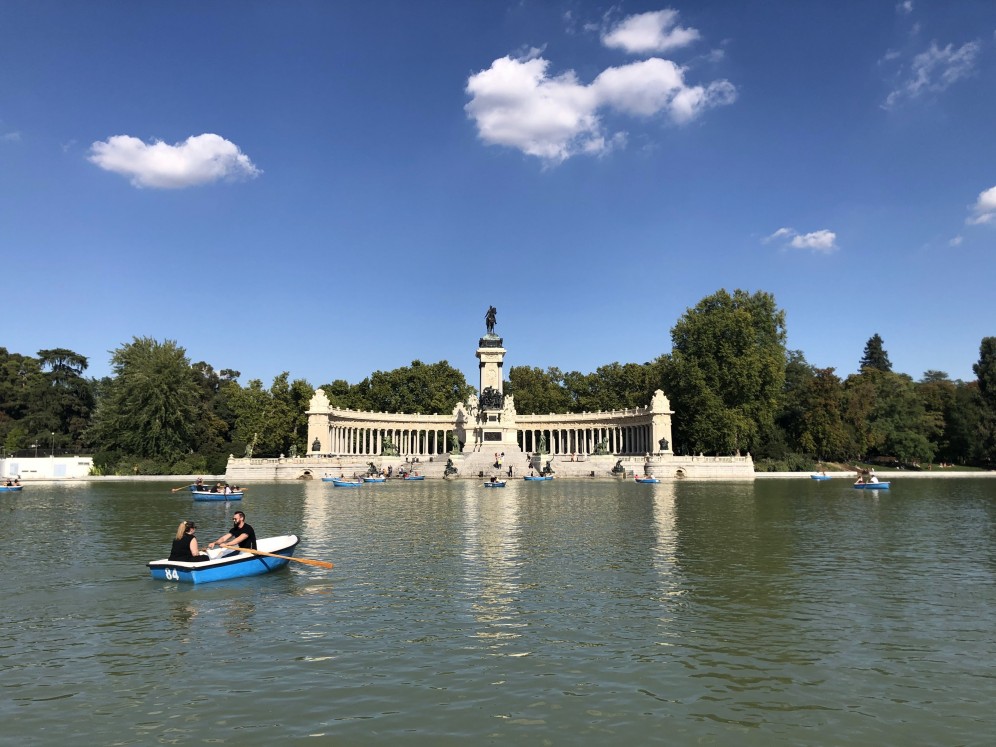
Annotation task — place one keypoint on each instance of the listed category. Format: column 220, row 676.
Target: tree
column 726, row 371
column 611, row 387
column 67, row 399
column 273, row 421
column 875, row 355
column 822, row 426
column 985, row 370
column 537, row 391
column 420, row 388
column 150, row 407
column 888, row 416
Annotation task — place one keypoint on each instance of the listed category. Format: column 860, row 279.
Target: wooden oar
column 182, row 487
column 308, row 561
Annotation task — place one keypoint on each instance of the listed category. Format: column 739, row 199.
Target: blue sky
column 334, row 188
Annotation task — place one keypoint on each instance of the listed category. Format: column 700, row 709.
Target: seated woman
column 185, row 545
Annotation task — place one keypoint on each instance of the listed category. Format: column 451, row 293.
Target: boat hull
column 10, row 488
column 647, row 480
column 413, row 479
column 871, row 485
column 237, row 565
column 819, row 477
column 347, row 483
column 494, row 484
column 374, row 479
column 536, row 478
column 205, row 496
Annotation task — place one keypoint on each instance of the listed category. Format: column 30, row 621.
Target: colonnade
column 619, row 439
column 366, row 441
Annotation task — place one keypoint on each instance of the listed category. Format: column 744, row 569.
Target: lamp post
column 35, row 447
column 52, row 453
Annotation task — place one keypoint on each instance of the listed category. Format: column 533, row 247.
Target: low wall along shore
column 662, row 466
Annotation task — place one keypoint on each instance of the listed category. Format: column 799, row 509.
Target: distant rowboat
column 204, row 495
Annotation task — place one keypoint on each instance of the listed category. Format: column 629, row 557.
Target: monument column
column 495, row 426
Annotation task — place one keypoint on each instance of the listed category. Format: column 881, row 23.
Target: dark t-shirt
column 181, row 550
column 250, row 540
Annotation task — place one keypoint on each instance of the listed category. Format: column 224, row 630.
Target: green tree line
column 733, row 384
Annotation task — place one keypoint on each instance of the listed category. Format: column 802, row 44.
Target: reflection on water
column 491, row 558
column 790, row 612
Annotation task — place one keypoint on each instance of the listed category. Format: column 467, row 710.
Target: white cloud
column 822, row 241
column 985, row 208
column 935, row 70
column 198, row 160
column 649, row 32
column 517, row 103
column 905, row 7
column 956, row 241
column 11, row 137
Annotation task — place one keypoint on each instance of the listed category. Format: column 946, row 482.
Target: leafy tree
column 150, row 408
column 726, row 371
column 420, row 388
column 537, row 391
column 939, row 395
column 985, row 370
column 274, row 421
column 875, row 355
column 212, row 432
column 67, row 399
column 823, row 432
column 893, row 420
column 611, row 387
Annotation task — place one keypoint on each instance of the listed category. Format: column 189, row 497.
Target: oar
column 182, row 487
column 308, row 561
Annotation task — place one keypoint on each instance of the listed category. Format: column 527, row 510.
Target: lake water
column 781, row 612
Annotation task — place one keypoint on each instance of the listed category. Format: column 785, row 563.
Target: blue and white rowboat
column 203, row 495
column 647, row 479
column 374, row 479
column 10, row 488
column 495, row 484
column 414, row 477
column 225, row 567
column 347, row 483
column 872, row 485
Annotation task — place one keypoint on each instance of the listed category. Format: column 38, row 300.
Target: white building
column 46, row 468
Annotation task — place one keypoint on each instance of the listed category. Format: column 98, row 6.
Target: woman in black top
column 185, row 545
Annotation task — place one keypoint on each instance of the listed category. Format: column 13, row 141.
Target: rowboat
column 227, row 566
column 647, row 479
column 820, row 477
column 329, row 479
column 872, row 485
column 204, row 495
column 347, row 483
column 537, row 478
column 414, row 477
column 10, row 488
column 374, row 479
column 495, row 484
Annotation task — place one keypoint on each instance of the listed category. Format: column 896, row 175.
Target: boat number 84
column 172, row 574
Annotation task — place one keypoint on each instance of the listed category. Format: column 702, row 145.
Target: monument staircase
column 482, row 461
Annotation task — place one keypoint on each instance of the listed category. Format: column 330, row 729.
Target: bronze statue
column 490, row 318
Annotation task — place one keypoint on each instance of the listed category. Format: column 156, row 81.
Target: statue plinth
column 491, row 341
